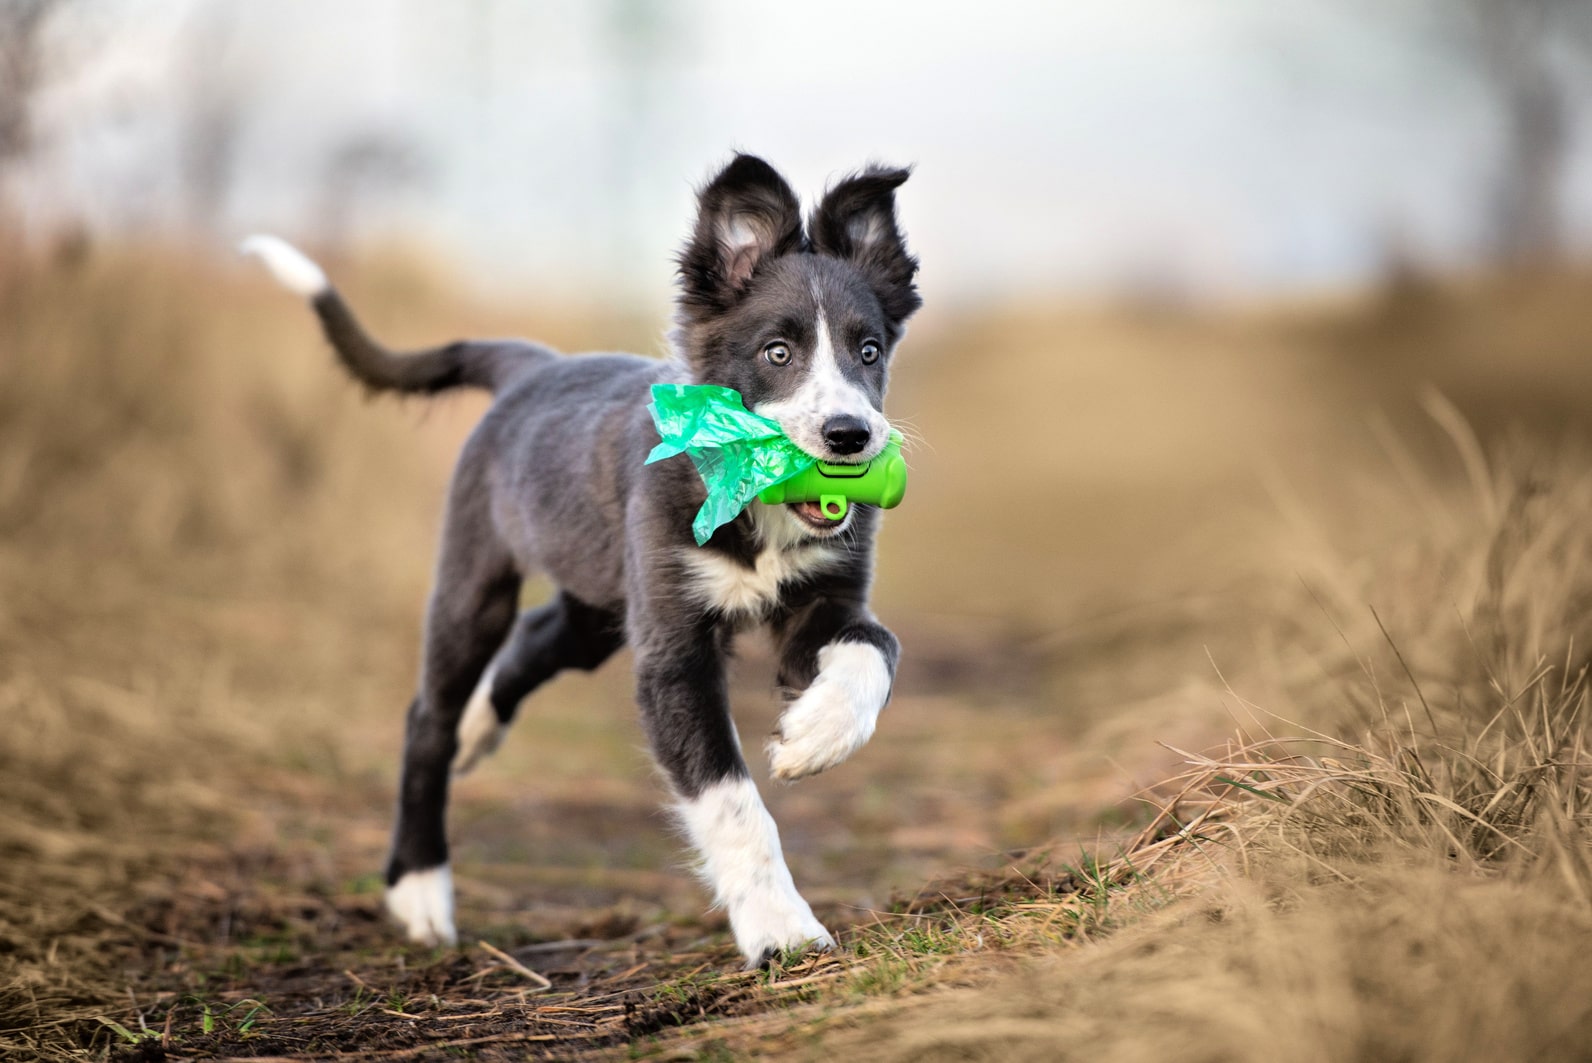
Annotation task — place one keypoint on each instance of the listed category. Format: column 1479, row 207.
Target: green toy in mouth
column 741, row 455
column 825, row 491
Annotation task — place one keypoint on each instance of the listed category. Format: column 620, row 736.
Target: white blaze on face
column 822, row 394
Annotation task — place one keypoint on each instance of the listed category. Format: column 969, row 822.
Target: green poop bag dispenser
column 881, row 482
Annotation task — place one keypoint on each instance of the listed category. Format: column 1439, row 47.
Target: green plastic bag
column 736, row 452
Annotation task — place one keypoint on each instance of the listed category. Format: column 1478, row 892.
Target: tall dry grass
column 179, row 473
column 1393, row 859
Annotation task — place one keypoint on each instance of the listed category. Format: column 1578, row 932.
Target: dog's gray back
column 563, row 448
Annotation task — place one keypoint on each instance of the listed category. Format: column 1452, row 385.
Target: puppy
column 803, row 321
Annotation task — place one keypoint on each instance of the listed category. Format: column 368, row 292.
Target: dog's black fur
column 553, row 480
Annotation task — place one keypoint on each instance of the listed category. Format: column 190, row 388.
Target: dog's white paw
column 835, row 716
column 773, row 922
column 480, row 731
column 423, row 902
column 741, row 860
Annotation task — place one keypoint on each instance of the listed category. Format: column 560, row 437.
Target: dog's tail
column 482, row 364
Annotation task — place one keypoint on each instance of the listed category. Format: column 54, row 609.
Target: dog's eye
column 777, row 354
column 870, row 352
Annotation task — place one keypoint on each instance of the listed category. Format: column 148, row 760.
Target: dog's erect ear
column 856, row 221
column 745, row 216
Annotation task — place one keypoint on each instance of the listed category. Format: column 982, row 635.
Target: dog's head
column 802, row 322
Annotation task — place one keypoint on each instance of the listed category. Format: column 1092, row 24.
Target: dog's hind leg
column 471, row 610
column 564, row 633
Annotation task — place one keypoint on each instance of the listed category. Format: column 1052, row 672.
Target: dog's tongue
column 815, row 512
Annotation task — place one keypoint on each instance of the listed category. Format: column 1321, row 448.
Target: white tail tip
column 291, row 267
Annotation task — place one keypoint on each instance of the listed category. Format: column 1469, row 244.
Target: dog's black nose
column 846, row 434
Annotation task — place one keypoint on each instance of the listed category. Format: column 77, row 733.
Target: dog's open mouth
column 812, row 515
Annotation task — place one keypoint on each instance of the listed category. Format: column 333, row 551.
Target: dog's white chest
column 736, row 589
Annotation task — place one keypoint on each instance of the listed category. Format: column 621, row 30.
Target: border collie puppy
column 803, row 322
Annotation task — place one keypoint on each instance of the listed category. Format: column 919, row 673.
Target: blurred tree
column 1529, row 53
column 22, row 72
column 641, row 40
column 1525, row 44
column 365, row 165
column 211, row 120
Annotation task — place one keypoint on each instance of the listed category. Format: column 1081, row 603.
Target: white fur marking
column 480, row 730
column 826, row 393
column 423, row 902
column 866, row 229
column 836, row 715
column 742, row 863
column 788, row 554
column 738, row 232
column 291, row 267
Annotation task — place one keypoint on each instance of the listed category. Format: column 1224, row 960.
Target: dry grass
column 1408, row 878
column 155, row 643
column 211, row 562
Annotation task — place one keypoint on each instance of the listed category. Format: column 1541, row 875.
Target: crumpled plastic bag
column 736, row 452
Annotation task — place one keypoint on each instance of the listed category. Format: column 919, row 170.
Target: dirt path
column 241, row 913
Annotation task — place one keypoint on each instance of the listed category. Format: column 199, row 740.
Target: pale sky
column 1225, row 149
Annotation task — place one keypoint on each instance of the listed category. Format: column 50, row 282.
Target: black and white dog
column 802, row 321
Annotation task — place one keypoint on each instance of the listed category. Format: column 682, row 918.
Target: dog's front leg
column 685, row 709
column 843, row 662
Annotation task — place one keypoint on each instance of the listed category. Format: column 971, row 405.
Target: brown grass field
column 1243, row 714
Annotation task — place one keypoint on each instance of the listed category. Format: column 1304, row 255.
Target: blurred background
column 1150, row 150
column 1152, row 233
column 1216, row 298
